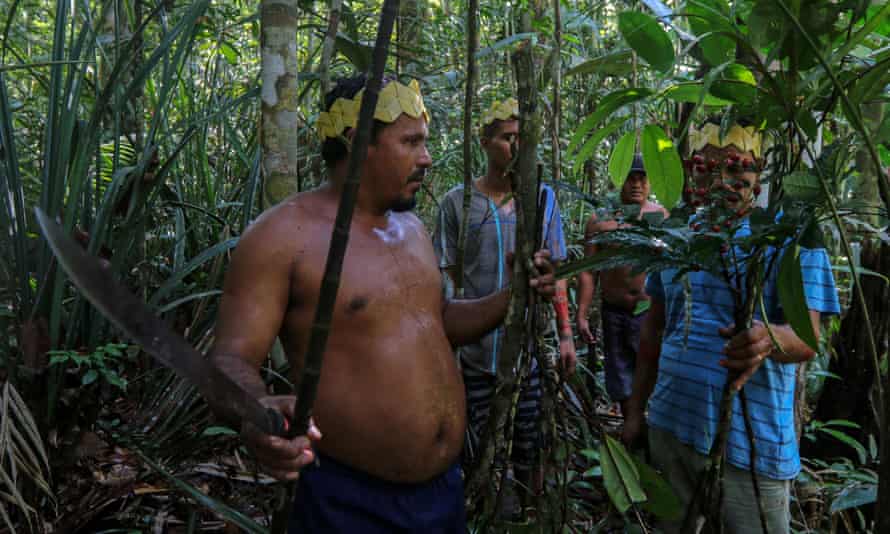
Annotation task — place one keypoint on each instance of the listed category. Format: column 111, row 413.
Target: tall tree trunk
column 472, row 10
column 279, row 132
column 494, row 445
column 410, row 36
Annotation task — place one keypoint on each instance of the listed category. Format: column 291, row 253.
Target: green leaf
column 622, row 158
column 357, row 53
column 114, row 379
column 594, row 141
column 801, row 185
column 853, row 497
column 230, row 53
column 89, row 377
column 606, row 106
column 507, row 41
column 793, row 298
column 616, row 63
column 736, row 83
column 620, row 475
column 706, row 19
column 645, row 35
column 663, row 166
column 661, row 499
column 766, row 24
column 691, row 92
column 218, row 431
column 848, row 440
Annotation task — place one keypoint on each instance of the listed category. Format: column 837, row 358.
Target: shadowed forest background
column 156, row 131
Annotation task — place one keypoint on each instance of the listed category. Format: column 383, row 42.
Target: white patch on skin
column 273, row 68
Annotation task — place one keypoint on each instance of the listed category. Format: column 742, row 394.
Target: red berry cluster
column 734, row 164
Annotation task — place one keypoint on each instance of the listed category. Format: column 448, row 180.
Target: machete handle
column 278, row 424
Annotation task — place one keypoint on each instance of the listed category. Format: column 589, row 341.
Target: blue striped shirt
column 686, row 398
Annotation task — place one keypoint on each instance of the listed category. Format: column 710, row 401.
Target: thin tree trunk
column 472, row 10
column 410, row 37
column 556, row 161
column 327, row 50
column 279, row 131
column 494, row 445
column 330, row 283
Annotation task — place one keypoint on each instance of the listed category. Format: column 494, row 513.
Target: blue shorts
column 621, row 341
column 335, row 498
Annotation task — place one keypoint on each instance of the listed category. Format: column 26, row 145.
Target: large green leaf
column 616, row 63
column 663, row 165
column 793, row 298
column 736, row 83
column 709, row 20
column 691, row 92
column 620, row 475
column 590, row 145
column 507, row 41
column 622, row 158
column 604, row 108
column 854, row 496
column 801, row 185
column 643, row 33
column 661, row 499
column 359, row 54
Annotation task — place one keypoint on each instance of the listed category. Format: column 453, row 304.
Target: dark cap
column 637, row 165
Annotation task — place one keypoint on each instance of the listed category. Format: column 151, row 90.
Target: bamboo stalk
column 330, row 283
column 472, row 10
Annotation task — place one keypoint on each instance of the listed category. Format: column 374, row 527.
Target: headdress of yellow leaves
column 393, row 100
column 501, row 111
column 746, row 139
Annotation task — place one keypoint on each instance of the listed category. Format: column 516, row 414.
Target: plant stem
column 472, row 10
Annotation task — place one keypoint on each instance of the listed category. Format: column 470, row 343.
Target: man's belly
column 622, row 289
column 395, row 412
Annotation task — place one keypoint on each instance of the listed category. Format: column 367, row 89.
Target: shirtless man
column 623, row 292
column 390, row 400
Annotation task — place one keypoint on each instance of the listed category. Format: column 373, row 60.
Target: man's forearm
column 561, row 308
column 243, row 373
column 467, row 320
column 794, row 348
column 586, row 289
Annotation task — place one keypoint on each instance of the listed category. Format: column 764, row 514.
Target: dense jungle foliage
column 155, row 132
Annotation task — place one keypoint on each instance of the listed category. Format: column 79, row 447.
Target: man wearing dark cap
column 624, row 295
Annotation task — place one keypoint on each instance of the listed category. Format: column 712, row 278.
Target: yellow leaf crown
column 501, row 111
column 394, row 99
column 746, row 139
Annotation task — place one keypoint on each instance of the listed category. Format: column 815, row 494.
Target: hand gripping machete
column 130, row 314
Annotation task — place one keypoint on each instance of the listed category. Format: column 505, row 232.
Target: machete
column 126, row 311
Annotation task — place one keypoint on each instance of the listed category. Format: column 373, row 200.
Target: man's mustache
column 417, row 176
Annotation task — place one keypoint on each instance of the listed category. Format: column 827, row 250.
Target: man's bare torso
column 390, row 400
column 620, row 287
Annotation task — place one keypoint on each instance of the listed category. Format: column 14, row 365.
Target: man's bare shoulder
column 287, row 221
column 410, row 221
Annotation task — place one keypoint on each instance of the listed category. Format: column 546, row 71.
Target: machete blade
column 127, row 312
